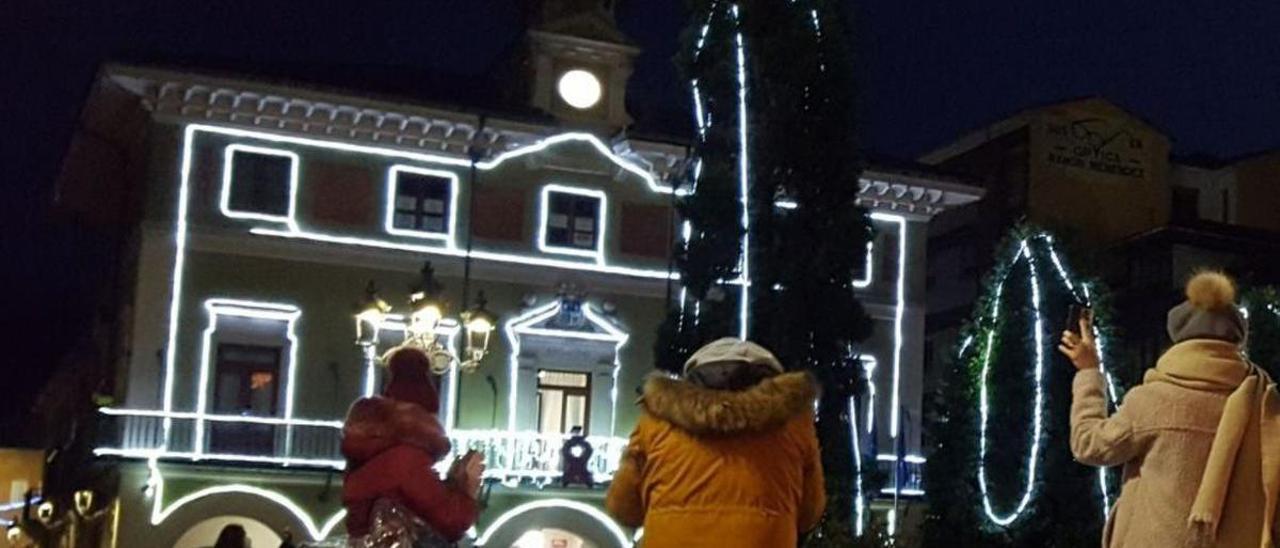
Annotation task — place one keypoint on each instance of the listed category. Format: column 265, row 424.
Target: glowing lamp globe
column 426, row 316
column 579, row 88
column 369, row 316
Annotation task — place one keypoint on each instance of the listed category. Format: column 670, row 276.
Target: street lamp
column 479, row 323
column 369, row 316
column 426, row 313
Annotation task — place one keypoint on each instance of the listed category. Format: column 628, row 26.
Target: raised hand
column 1082, row 349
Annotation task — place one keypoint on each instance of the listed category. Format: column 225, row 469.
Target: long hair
column 232, row 536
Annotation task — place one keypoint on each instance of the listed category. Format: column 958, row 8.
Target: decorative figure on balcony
column 574, row 456
column 391, row 442
column 733, row 448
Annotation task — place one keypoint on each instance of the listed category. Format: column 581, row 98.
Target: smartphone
column 1075, row 313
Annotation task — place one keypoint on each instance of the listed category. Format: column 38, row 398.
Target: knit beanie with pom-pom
column 1210, row 311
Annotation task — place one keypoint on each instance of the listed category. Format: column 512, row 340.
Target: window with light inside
column 564, row 401
column 573, row 220
column 260, row 183
column 246, row 384
column 422, row 202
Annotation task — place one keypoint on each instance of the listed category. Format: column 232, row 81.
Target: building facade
column 1104, row 181
column 257, row 214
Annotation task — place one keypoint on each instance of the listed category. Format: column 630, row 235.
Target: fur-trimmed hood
column 376, row 424
column 709, row 412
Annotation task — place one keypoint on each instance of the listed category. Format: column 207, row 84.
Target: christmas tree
column 774, row 236
column 1263, row 307
column 1001, row 472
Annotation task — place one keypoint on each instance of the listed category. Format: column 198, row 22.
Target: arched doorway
column 203, row 534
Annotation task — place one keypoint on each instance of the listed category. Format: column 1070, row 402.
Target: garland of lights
column 1026, row 250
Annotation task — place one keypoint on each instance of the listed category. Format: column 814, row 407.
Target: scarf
column 1217, row 366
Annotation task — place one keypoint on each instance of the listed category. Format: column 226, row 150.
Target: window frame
column 451, row 221
column 228, row 179
column 544, row 218
column 565, row 392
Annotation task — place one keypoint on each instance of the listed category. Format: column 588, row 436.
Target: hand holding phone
column 1078, row 343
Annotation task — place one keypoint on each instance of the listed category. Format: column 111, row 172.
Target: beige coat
column 1162, row 434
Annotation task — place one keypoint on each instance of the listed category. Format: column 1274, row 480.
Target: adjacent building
column 1104, row 181
column 257, row 212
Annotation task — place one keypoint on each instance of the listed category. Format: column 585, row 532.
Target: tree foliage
column 802, row 260
column 1263, row 305
column 1066, row 505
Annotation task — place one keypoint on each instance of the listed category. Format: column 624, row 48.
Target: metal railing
column 512, row 457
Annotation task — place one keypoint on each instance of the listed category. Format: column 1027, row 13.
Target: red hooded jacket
column 390, row 448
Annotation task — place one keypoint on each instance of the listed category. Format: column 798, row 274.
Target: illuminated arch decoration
column 159, row 512
column 1032, row 248
column 580, row 507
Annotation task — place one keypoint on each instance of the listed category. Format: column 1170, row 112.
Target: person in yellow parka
column 725, row 456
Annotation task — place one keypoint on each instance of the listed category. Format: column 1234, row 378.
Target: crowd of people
column 729, row 450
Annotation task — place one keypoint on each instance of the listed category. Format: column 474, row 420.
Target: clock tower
column 578, row 62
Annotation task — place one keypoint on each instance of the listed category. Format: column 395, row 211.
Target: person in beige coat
column 1199, row 438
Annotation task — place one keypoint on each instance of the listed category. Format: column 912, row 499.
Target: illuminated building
column 259, row 211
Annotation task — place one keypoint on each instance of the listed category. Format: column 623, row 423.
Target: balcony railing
column 512, row 457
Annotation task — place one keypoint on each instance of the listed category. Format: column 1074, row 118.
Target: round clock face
column 579, row 88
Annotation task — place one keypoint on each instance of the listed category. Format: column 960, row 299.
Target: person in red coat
column 391, row 443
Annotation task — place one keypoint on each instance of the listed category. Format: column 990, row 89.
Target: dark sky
column 1206, row 71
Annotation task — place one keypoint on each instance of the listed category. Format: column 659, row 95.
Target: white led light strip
column 566, row 504
column 744, row 185
column 984, row 406
column 159, row 513
column 255, row 310
column 294, row 232
column 228, row 168
column 1025, row 251
column 449, row 236
column 601, row 223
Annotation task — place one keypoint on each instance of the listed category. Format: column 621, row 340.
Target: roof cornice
column 297, row 110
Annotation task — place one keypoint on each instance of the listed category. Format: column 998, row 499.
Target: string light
column 859, row 501
column 984, row 405
column 254, row 310
column 544, row 217
column 1026, row 251
column 744, row 183
column 228, row 176
column 159, row 513
column 293, row 231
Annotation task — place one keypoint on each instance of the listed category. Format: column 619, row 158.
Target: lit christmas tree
column 774, row 236
column 1001, row 472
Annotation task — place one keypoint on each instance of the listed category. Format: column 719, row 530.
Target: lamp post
column 426, row 313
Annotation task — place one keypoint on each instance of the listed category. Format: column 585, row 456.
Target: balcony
column 514, row 458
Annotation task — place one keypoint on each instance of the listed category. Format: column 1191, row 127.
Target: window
column 1186, row 204
column 247, row 383
column 564, row 401
column 421, row 202
column 259, row 183
column 573, row 221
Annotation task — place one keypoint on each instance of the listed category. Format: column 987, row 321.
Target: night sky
column 1205, row 71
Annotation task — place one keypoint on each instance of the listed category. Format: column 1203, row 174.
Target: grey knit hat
column 1210, row 311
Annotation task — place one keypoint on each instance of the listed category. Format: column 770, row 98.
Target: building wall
column 21, row 470
column 1097, row 172
column 1257, row 179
